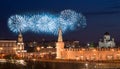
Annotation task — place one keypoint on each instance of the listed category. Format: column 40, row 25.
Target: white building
column 107, row 41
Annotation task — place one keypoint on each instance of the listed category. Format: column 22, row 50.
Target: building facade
column 8, row 47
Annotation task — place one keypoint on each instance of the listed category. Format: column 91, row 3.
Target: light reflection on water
column 22, row 62
column 56, row 65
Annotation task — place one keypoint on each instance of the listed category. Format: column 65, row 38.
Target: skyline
column 102, row 16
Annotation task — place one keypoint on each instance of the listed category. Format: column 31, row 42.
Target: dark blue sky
column 102, row 16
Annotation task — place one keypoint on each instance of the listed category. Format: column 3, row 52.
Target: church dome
column 106, row 33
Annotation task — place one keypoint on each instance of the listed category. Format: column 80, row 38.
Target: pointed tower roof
column 106, row 33
column 60, row 39
column 20, row 34
column 20, row 38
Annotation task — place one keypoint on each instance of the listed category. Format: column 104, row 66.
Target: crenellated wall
column 91, row 53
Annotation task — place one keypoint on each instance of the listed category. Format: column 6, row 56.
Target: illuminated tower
column 20, row 44
column 59, row 45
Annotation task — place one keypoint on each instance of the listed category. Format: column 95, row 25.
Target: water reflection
column 21, row 64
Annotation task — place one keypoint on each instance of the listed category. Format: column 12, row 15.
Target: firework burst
column 17, row 23
column 48, row 23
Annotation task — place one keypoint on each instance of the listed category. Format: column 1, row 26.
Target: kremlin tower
column 20, row 44
column 59, row 45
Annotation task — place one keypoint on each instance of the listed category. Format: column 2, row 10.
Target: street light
column 38, row 49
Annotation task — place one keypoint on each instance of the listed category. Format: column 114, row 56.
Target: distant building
column 8, row 47
column 107, row 42
column 72, row 44
column 12, row 46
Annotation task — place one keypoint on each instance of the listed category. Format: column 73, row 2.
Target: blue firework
column 48, row 23
column 17, row 23
column 72, row 20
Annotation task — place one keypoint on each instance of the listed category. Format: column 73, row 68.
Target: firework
column 32, row 23
column 82, row 21
column 17, row 23
column 43, row 23
column 72, row 20
column 48, row 23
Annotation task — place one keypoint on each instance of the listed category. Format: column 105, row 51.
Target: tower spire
column 60, row 39
column 59, row 45
column 20, row 38
column 20, row 44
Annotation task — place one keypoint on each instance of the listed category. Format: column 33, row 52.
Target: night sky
column 102, row 16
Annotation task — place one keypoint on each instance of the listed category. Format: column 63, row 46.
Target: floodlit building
column 8, row 47
column 107, row 42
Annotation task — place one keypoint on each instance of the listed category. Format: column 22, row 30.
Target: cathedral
column 106, row 42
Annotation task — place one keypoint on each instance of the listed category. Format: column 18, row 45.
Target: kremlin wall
column 105, row 51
